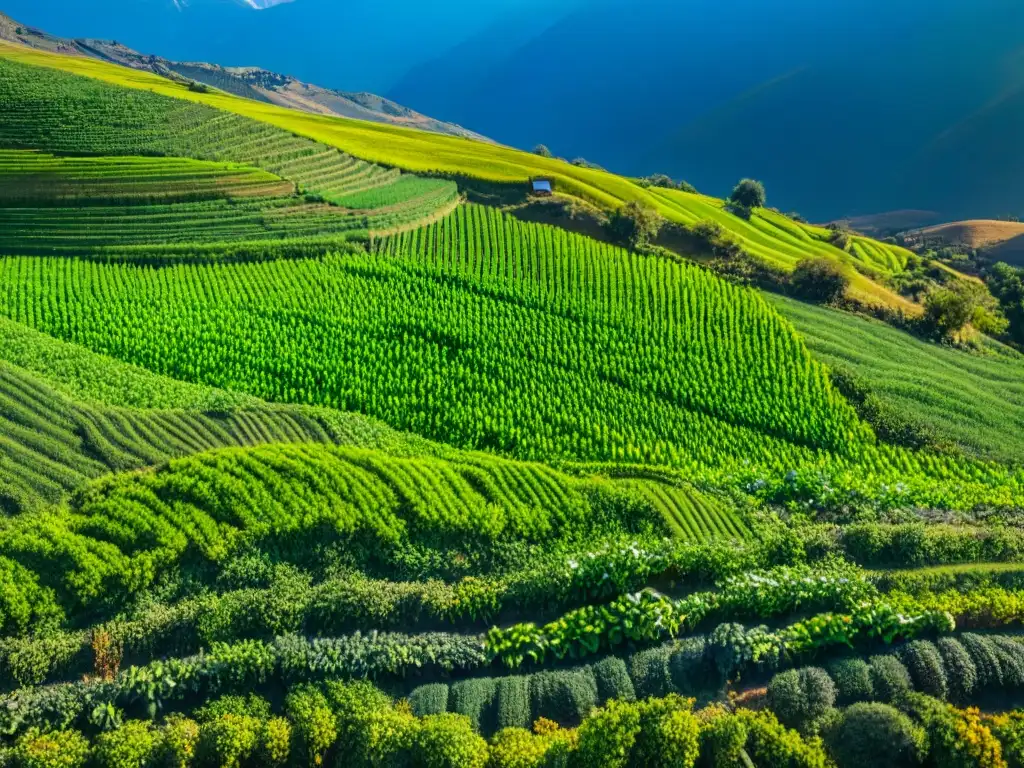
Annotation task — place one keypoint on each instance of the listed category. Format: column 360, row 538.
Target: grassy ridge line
column 974, row 400
column 418, row 151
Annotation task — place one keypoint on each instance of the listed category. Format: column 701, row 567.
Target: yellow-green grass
column 975, row 400
column 27, row 175
column 419, row 151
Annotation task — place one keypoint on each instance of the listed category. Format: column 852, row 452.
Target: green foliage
column 722, row 740
column 852, row 678
column 926, row 668
column 961, row 674
column 448, row 741
column 274, row 743
column 650, row 672
column 799, row 696
column 613, row 681
column 431, row 699
column 876, row 734
column 514, row 705
column 635, row 226
column 249, row 705
column 820, row 280
column 313, row 723
column 749, row 194
column 178, row 743
column 1008, row 727
column 228, row 741
column 669, row 734
column 890, row 680
column 53, row 749
column 772, row 745
column 476, row 699
column 565, row 696
column 130, row 746
column 956, row 738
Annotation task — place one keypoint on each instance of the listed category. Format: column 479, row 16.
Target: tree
column 947, row 311
column 749, row 194
column 661, row 180
column 635, row 225
column 1007, row 284
column 820, row 280
column 542, row 150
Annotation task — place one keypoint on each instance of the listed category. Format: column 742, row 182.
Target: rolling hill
column 307, row 460
column 247, row 82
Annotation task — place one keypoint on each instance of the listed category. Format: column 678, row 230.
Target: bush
column 986, row 660
column 179, row 739
column 853, row 681
column 613, row 681
column 924, row 663
column 250, row 705
column 870, row 734
column 476, row 700
column 722, row 741
column 130, row 746
column 55, row 749
column 820, row 280
column 889, row 678
column 669, row 734
column 227, row 742
column 771, row 745
column 448, row 741
column 371, row 732
column 542, row 151
column 274, row 743
column 956, row 738
column 566, row 697
column 635, row 225
column 514, row 702
column 689, row 668
column 607, row 737
column 749, row 194
column 1009, row 729
column 799, row 696
column 518, row 748
column 313, row 722
column 961, row 674
column 948, row 310
column 650, row 672
column 429, row 699
column 1011, row 660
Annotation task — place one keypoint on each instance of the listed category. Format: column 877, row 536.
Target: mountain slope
column 247, row 82
column 799, row 94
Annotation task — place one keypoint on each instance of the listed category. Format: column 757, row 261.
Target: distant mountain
column 360, row 45
column 843, row 108
column 248, row 82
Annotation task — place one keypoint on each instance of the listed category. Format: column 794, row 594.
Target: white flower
column 573, row 564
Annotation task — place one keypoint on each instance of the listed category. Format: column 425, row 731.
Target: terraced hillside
column 305, row 463
column 975, row 401
column 777, row 242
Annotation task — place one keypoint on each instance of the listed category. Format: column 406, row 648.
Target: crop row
column 57, row 112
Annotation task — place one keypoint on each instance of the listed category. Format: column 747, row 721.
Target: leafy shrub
column 772, row 745
column 229, row 741
column 371, row 732
column 799, row 696
column 889, row 678
column 986, row 660
column 429, row 699
column 961, row 674
column 853, row 681
column 1011, row 660
column 250, row 705
column 749, row 194
column 669, row 734
column 922, row 660
column 870, row 734
column 54, row 749
column 448, row 741
column 514, row 702
column 820, row 280
column 179, row 740
column 613, row 681
column 476, row 700
column 689, row 667
column 274, row 743
column 650, row 672
column 635, row 225
column 517, row 748
column 956, row 738
column 565, row 696
column 722, row 739
column 1008, row 727
column 313, row 722
column 130, row 746
column 607, row 737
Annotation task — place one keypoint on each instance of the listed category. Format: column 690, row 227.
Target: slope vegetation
column 973, row 400
column 417, row 151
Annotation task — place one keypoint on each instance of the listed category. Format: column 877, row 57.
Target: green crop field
column 304, row 461
column 975, row 400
